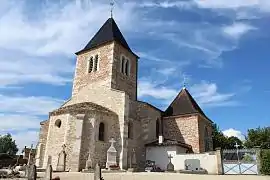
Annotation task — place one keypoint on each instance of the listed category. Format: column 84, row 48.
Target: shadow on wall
column 102, row 139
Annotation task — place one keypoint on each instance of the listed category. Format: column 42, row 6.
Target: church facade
column 104, row 105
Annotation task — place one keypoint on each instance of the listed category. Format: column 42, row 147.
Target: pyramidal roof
column 107, row 33
column 183, row 104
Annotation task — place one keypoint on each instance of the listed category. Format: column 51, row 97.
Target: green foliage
column 265, row 161
column 259, row 137
column 8, row 145
column 223, row 142
column 248, row 158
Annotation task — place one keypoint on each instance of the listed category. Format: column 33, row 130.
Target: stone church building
column 104, row 105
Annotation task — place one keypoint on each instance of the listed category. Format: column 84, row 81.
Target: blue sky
column 220, row 47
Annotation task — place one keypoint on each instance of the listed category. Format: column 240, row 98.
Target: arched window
column 58, row 123
column 90, row 65
column 96, row 63
column 157, row 128
column 127, row 67
column 123, row 64
column 130, row 130
column 101, row 132
column 206, row 140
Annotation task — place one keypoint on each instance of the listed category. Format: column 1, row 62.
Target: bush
column 265, row 161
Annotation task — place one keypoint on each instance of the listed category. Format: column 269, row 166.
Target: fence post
column 258, row 159
column 219, row 161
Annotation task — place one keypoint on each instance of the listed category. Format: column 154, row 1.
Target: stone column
column 39, row 155
column 123, row 121
column 76, row 150
column 219, row 161
column 90, row 163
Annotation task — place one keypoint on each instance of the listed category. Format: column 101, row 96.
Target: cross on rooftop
column 112, row 5
column 185, row 80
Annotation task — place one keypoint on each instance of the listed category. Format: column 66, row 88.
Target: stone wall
column 44, row 126
column 56, row 138
column 121, row 81
column 144, row 128
column 83, row 78
column 184, row 129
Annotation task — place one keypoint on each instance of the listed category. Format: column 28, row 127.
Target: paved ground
column 155, row 176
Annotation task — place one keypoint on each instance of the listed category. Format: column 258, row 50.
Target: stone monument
column 111, row 155
column 30, row 157
column 132, row 161
column 32, row 172
column 170, row 166
column 97, row 174
column 48, row 173
column 61, row 164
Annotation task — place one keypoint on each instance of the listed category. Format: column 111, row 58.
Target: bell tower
column 107, row 62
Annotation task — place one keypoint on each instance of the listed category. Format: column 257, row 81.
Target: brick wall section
column 184, row 129
column 83, row 78
column 121, row 81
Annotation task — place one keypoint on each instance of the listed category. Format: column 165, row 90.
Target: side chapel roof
column 107, row 33
column 183, row 104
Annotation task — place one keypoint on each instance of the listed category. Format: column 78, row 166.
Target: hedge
column 265, row 161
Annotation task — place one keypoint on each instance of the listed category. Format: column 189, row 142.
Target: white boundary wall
column 159, row 154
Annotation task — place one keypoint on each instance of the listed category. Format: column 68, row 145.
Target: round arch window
column 58, row 123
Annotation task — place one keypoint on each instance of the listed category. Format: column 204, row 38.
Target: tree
column 8, row 145
column 223, row 142
column 259, row 137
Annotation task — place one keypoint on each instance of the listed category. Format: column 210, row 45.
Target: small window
column 127, row 67
column 130, row 130
column 123, row 65
column 157, row 128
column 101, row 132
column 96, row 63
column 91, row 64
column 58, row 123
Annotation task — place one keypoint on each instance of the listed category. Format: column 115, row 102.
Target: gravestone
column 170, row 166
column 97, row 174
column 48, row 173
column 111, row 154
column 30, row 156
column 49, row 162
column 61, row 164
column 32, row 172
column 192, row 164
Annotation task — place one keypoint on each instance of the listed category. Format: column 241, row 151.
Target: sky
column 218, row 48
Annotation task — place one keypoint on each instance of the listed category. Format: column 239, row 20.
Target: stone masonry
column 110, row 97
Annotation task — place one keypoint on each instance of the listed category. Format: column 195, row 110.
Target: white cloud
column 39, row 48
column 19, row 122
column 233, row 132
column 207, row 95
column 29, row 105
column 25, row 138
column 236, row 30
column 146, row 88
column 263, row 5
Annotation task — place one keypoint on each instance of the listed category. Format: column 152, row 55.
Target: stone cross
column 170, row 157
column 64, row 147
column 185, row 80
column 112, row 141
column 170, row 166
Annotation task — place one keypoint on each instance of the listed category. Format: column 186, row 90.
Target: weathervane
column 112, row 5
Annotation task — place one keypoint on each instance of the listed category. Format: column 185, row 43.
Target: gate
column 240, row 161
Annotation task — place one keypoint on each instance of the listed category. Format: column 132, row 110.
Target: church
column 104, row 105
